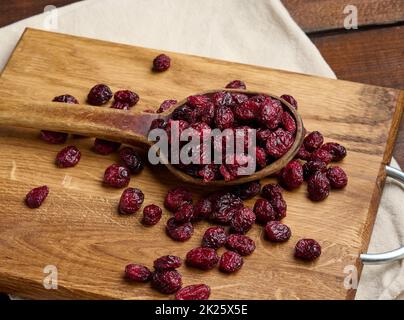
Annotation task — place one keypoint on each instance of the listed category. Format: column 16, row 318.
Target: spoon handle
column 102, row 122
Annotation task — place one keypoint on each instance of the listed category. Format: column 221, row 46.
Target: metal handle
column 390, row 256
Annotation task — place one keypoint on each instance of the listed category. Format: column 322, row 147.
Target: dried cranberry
column 198, row 100
column 337, row 177
column 224, row 118
column 270, row 113
column 137, row 272
column 158, row 124
column 167, row 263
column 131, row 201
column 264, row 211
column 131, row 159
column 288, row 122
column 307, row 249
column 259, row 98
column 184, row 213
column 321, row 155
column 167, row 281
column 278, row 143
column 99, row 95
column 53, row 137
column 151, row 215
column 318, row 186
column 166, row 104
column 206, row 113
column 241, row 244
column 291, row 175
column 185, row 113
column 270, row 191
column 290, row 100
column 105, row 147
column 230, row 262
column 337, row 151
column 36, row 196
column 214, row 237
column 202, row 258
column 247, row 190
column 242, row 220
column 311, row 167
column 277, row 232
column 223, row 99
column 193, row 292
column 66, row 98
column 161, row 63
column 263, row 135
column 260, row 157
column 116, row 176
column 179, row 231
column 181, row 124
column 126, row 96
column 177, row 197
column 209, row 172
column 224, row 205
column 273, row 193
column 246, row 111
column 313, row 141
column 68, row 157
column 239, row 98
column 303, row 154
column 202, row 209
column 236, row 84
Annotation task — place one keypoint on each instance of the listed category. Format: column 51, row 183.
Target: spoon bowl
column 127, row 127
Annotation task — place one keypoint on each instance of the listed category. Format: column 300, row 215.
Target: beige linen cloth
column 259, row 32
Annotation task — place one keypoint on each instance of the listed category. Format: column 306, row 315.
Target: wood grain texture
column 14, row 10
column 78, row 229
column 322, row 15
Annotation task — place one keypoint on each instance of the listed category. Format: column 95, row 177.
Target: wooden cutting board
column 78, row 229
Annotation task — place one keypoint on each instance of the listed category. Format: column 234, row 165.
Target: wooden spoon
column 129, row 127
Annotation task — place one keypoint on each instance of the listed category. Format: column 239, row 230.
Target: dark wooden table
column 372, row 54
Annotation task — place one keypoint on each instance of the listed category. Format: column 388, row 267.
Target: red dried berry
column 246, row 111
column 271, row 191
column 224, row 118
column 313, row 141
column 239, row 98
column 68, row 157
column 36, row 197
column 116, row 176
column 179, row 231
column 131, row 201
column 105, row 147
column 260, row 157
column 291, row 175
column 223, row 99
column 168, row 281
column 288, row 122
column 167, row 263
column 180, row 124
column 230, row 262
column 224, row 205
column 264, row 211
column 236, row 84
column 321, row 155
column 337, row 177
column 278, row 143
column 176, row 197
column 193, row 292
column 242, row 220
column 202, row 209
column 161, row 63
column 99, row 94
column 337, row 151
column 303, row 154
column 53, row 137
column 184, row 213
column 185, row 113
column 165, row 105
column 126, row 96
column 151, row 215
column 311, row 167
column 214, row 237
column 307, row 249
column 131, row 159
column 270, row 113
column 206, row 113
column 241, row 244
column 158, row 124
column 247, row 190
column 277, row 232
column 202, row 258
column 290, row 100
column 318, row 186
column 197, row 101
column 66, row 98
column 137, row 272
column 209, row 172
